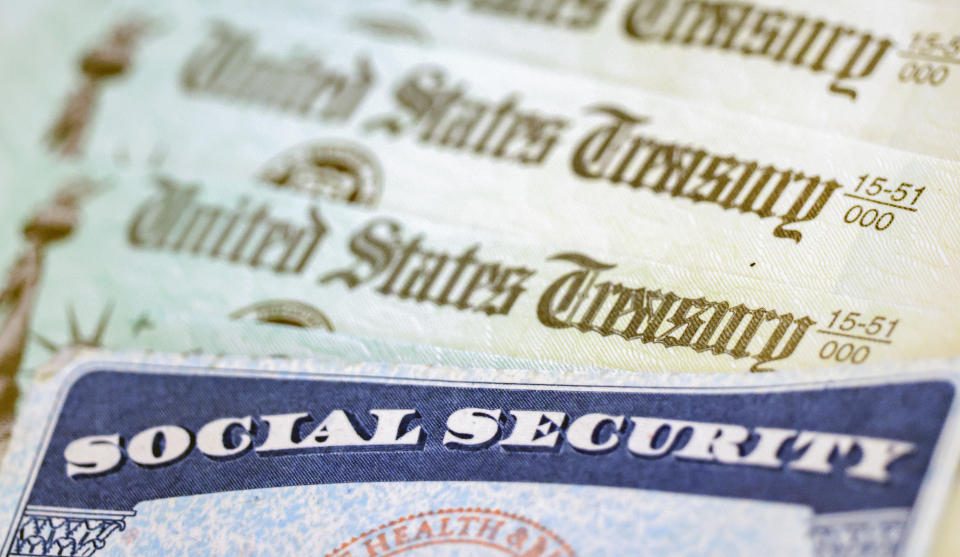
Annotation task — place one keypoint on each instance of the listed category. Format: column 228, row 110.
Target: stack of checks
column 539, row 278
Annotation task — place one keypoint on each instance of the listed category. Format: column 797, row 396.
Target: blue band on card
column 125, row 437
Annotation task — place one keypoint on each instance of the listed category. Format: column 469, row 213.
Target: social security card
column 128, row 454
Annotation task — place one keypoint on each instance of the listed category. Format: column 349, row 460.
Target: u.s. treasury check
column 245, row 249
column 500, row 146
column 884, row 71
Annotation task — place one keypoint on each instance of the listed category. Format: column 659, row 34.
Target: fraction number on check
column 851, row 335
column 881, row 199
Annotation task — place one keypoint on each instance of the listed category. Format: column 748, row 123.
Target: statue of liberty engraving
column 110, row 59
column 52, row 222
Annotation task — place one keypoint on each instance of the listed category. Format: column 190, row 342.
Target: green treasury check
column 500, row 146
column 883, row 71
column 248, row 250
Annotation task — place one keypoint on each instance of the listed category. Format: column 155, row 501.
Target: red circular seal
column 487, row 531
